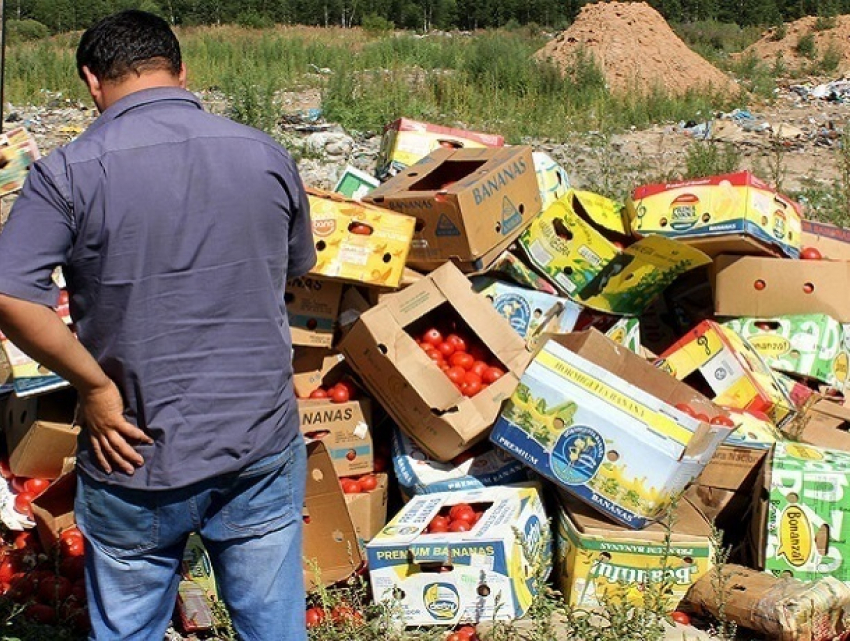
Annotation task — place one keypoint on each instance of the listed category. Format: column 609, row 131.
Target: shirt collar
column 147, row 96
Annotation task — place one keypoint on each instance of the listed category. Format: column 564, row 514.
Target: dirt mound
column 831, row 37
column 636, row 50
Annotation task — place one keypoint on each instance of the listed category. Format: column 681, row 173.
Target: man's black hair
column 126, row 42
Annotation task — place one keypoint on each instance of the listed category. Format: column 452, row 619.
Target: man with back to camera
column 176, row 230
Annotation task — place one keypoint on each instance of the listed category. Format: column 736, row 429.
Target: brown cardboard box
column 823, row 423
column 311, row 366
column 331, row 552
column 53, row 509
column 469, row 204
column 790, row 287
column 344, row 428
column 413, row 390
column 40, row 433
column 833, row 242
column 368, row 510
column 312, row 305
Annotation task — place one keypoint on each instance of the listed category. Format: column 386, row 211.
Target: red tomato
column 471, row 377
column 462, row 512
column 759, row 284
column 23, row 503
column 439, row 524
column 18, row 483
column 687, row 409
column 344, row 613
column 457, row 342
column 54, row 589
column 462, row 359
column 368, row 482
column 492, row 374
column 351, row 455
column 479, row 367
column 350, row 486
column 73, row 567
column 808, row 288
column 339, row 394
column 8, row 568
column 811, row 253
column 703, row 418
column 680, row 617
column 432, row 336
column 360, row 229
column 40, row 613
column 454, row 636
column 349, row 386
column 446, row 349
column 720, row 419
column 763, row 326
column 319, row 392
column 460, row 526
column 471, row 388
column 36, row 486
column 456, row 374
column 315, row 616
column 434, row 355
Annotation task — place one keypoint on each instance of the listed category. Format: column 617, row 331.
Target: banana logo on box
column 441, row 600
column 795, row 536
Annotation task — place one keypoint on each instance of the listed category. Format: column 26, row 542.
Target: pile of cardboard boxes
column 662, row 365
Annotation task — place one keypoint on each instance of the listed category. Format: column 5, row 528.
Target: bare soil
column 773, row 44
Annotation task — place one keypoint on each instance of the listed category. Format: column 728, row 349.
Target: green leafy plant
column 806, row 46
column 708, row 158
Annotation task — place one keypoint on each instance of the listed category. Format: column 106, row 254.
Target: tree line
column 56, row 16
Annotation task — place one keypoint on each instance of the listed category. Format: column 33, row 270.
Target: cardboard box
column 368, row 510
column 808, row 511
column 767, row 287
column 358, row 243
column 509, row 267
column 480, row 466
column 53, row 509
column 715, row 355
column 40, row 433
column 577, row 243
column 312, row 306
column 832, row 242
column 810, row 345
column 410, row 386
column 469, row 204
column 331, row 552
column 196, row 569
column 551, row 178
column 344, row 428
column 600, row 562
column 354, row 183
column 728, row 214
column 823, row 423
column 626, row 332
column 460, row 577
column 28, row 377
column 313, row 366
column 527, row 310
column 600, row 422
column 405, row 142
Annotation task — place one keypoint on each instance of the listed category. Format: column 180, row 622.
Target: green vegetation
column 806, row 46
column 707, row 158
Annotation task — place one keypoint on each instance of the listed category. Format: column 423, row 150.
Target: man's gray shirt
column 176, row 230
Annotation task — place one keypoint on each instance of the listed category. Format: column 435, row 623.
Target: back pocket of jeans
column 124, row 524
column 260, row 504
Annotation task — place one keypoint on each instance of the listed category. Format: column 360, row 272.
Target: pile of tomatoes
column 49, row 591
column 25, row 489
column 358, row 484
column 340, row 392
column 463, row 633
column 464, row 360
column 341, row 614
column 456, row 518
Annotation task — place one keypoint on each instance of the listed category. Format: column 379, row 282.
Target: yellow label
column 839, row 367
column 802, row 452
column 771, row 346
column 795, row 536
column 652, row 419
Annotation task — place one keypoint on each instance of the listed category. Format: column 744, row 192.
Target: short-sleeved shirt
column 176, row 230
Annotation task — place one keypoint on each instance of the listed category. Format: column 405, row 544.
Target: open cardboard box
column 469, row 204
column 368, row 510
column 53, row 509
column 344, row 428
column 765, row 287
column 410, row 386
column 312, row 307
column 330, row 540
column 823, row 423
column 832, row 242
column 40, row 433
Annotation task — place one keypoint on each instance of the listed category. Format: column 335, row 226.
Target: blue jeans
column 251, row 524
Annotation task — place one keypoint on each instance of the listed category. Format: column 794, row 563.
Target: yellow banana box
column 573, row 243
column 551, row 177
column 715, row 356
column 447, row 578
column 359, row 243
column 606, row 426
column 729, row 213
column 599, row 562
column 807, row 513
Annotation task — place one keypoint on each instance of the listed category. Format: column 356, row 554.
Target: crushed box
column 727, row 214
column 358, row 243
column 344, row 428
column 405, row 142
column 421, row 399
column 461, row 577
column 469, row 204
column 551, row 178
column 600, row 422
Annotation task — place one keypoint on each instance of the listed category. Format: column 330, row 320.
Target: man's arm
column 39, row 332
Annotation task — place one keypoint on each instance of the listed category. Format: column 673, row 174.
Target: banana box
column 358, row 243
column 808, row 513
column 715, row 356
column 578, row 244
column 405, row 142
column 599, row 562
column 449, row 578
column 527, row 310
column 728, row 214
column 354, row 183
column 626, row 332
column 811, row 345
column 312, row 308
column 508, row 266
column 551, row 177
column 601, row 423
column 480, row 466
column 344, row 430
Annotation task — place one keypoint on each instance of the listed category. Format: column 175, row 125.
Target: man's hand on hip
column 103, row 416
